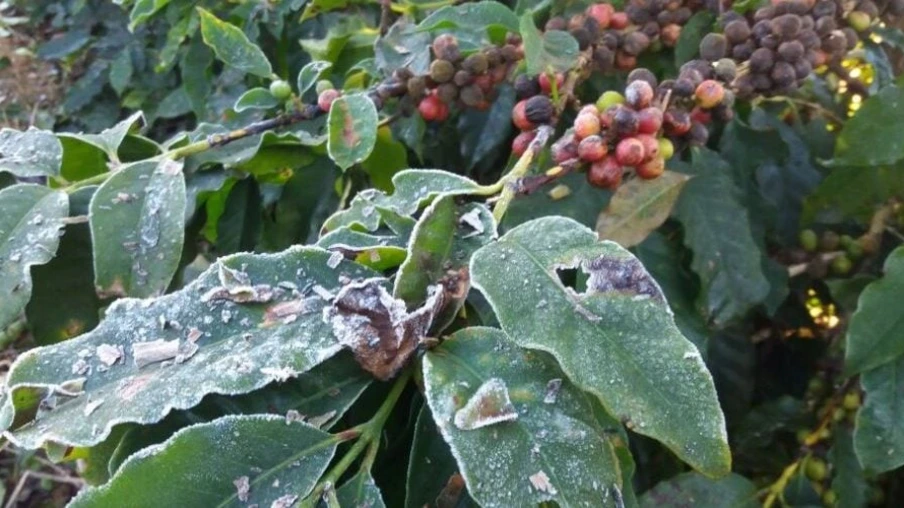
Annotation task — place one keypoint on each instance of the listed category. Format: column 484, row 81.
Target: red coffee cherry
column 700, row 115
column 326, row 98
column 650, row 146
column 432, row 109
column 605, row 174
column 519, row 117
column 639, row 94
column 629, row 152
column 709, row 94
column 566, row 148
column 546, row 84
column 586, row 125
column 602, row 13
column 522, row 142
column 676, row 122
column 649, row 120
column 592, row 149
column 651, row 169
column 619, row 20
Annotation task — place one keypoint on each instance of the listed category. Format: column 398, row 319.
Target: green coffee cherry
column 842, row 265
column 323, row 85
column 816, row 469
column 280, row 90
column 830, row 498
column 854, row 250
column 809, row 241
column 609, row 99
column 851, row 401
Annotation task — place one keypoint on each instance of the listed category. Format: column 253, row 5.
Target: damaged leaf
column 378, row 328
column 617, row 339
column 353, row 129
column 137, row 219
column 30, row 229
column 241, row 346
column 221, row 463
column 536, row 452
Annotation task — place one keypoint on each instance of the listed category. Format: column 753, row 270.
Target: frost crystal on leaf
column 489, row 405
column 109, row 354
column 285, row 501
column 242, row 488
column 541, row 482
column 552, row 391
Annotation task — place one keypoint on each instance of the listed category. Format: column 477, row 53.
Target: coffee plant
column 655, row 258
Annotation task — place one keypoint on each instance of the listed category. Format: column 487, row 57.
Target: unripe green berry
column 323, row 85
column 809, row 241
column 666, row 148
column 851, row 401
column 441, row 71
column 842, row 265
column 839, row 414
column 845, row 241
column 280, row 90
column 816, row 469
column 854, row 251
column 609, row 99
column 829, row 498
column 859, row 21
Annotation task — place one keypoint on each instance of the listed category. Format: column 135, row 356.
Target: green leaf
column 29, row 235
column 360, row 491
column 387, row 159
column 381, row 250
column 222, row 463
column 473, row 22
column 617, row 340
column 483, row 133
column 693, row 489
column 692, row 33
column 353, row 129
column 869, row 138
column 310, row 73
column 846, row 292
column 404, row 46
column 30, row 153
column 239, row 227
column 521, row 432
column 442, row 242
column 63, row 302
column 232, row 46
column 879, row 435
column 639, row 207
column 544, row 51
column 306, row 200
column 875, row 334
column 245, row 322
column 110, row 139
column 716, row 228
column 853, row 193
column 848, row 477
column 432, row 471
column 121, row 72
column 136, row 222
column 414, row 188
column 256, row 98
column 143, row 10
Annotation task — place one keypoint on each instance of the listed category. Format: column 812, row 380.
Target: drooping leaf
column 876, row 331
column 310, row 73
column 638, row 207
column 30, row 153
column 352, row 129
column 245, row 322
column 848, row 477
column 441, row 246
column 877, row 120
column 232, row 46
column 879, row 435
column 433, row 476
column 360, row 491
column 413, row 189
column 232, row 461
column 617, row 339
column 726, row 257
column 136, row 220
column 110, row 139
column 29, row 235
column 256, row 98
column 519, row 430
column 63, row 302
column 694, row 489
column 473, row 22
column 544, row 51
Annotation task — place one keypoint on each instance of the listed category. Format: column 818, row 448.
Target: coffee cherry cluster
column 779, row 44
column 455, row 79
column 848, row 251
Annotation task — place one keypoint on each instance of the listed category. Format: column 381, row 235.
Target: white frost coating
column 472, row 219
column 91, row 406
column 541, row 482
column 489, row 405
column 109, row 354
column 552, row 390
column 154, row 351
column 285, row 501
column 242, row 488
column 321, row 420
column 334, row 260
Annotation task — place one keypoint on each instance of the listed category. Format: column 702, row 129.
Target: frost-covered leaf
column 29, row 235
column 520, row 431
column 30, row 153
column 380, row 250
column 440, row 249
column 110, row 139
column 552, row 50
column 136, row 221
column 360, row 491
column 694, row 489
column 256, row 98
column 232, row 46
column 432, row 472
column 414, row 188
column 352, row 129
column 232, row 461
column 717, row 229
column 638, row 207
column 310, row 73
column 245, row 322
column 879, row 435
column 472, row 22
column 875, row 334
column 617, row 339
